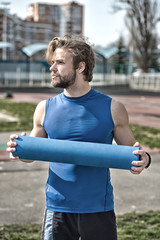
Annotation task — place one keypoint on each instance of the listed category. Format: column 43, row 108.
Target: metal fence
column 32, row 79
column 148, row 82
column 23, row 79
column 35, row 79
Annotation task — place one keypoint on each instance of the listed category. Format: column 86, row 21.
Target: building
column 71, row 16
column 42, row 23
column 11, row 31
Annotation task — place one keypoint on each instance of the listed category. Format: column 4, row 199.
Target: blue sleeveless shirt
column 73, row 188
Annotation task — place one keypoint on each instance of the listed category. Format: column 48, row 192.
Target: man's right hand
column 11, row 144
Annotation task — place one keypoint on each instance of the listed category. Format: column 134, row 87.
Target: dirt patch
column 7, row 118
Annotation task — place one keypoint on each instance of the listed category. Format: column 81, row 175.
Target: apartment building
column 65, row 18
column 42, row 23
column 11, row 31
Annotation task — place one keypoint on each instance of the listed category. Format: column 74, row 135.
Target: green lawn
column 142, row 226
column 23, row 111
column 146, row 136
column 130, row 226
column 28, row 231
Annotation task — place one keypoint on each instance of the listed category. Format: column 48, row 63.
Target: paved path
column 23, row 199
column 22, row 185
column 143, row 110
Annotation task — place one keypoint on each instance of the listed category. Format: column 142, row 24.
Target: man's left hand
column 142, row 163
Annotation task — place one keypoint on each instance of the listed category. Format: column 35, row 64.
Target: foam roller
column 75, row 152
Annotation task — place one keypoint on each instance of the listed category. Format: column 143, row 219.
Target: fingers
column 11, row 144
column 23, row 133
column 12, row 137
column 138, row 166
column 136, row 170
column 12, row 157
column 11, row 150
column 137, row 144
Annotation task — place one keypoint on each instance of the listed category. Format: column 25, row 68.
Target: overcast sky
column 100, row 25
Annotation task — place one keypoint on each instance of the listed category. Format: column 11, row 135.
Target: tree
column 120, row 58
column 141, row 20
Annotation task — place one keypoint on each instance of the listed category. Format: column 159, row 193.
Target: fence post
column 18, row 77
column 30, row 79
column 43, row 77
column 6, row 83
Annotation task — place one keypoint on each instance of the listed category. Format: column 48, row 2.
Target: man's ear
column 81, row 67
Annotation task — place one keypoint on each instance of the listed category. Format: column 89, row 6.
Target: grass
column 24, row 111
column 130, row 226
column 142, row 226
column 147, row 136
column 30, row 231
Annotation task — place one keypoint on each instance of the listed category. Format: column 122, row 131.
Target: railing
column 110, row 79
column 148, row 82
column 21, row 79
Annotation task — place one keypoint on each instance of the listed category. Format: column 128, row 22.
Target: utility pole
column 5, row 13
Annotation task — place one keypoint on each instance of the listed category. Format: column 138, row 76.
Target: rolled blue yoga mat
column 74, row 152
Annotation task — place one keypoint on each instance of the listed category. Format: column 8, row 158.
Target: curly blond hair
column 80, row 50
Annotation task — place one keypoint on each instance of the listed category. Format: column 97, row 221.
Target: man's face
column 62, row 72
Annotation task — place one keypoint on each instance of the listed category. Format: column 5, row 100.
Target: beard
column 64, row 81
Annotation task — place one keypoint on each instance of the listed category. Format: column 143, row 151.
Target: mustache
column 54, row 74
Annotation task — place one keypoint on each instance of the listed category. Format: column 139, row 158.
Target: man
column 79, row 199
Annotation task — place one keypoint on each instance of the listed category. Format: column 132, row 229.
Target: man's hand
column 11, row 144
column 142, row 163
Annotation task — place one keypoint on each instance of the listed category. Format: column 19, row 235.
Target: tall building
column 71, row 15
column 11, row 31
column 42, row 23
column 65, row 18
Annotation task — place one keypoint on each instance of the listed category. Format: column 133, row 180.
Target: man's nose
column 53, row 67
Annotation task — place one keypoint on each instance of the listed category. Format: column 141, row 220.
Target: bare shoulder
column 41, row 105
column 40, row 111
column 119, row 113
column 117, row 106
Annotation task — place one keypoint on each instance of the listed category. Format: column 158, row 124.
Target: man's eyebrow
column 58, row 60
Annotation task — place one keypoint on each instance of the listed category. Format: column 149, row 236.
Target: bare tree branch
column 142, row 17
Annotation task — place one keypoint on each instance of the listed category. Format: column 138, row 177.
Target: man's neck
column 77, row 91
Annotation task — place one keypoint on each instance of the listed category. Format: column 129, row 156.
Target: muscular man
column 79, row 199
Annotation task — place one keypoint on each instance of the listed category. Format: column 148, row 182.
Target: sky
column 101, row 26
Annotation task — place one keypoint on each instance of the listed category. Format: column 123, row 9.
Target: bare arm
column 37, row 131
column 124, row 136
column 122, row 132
column 38, row 118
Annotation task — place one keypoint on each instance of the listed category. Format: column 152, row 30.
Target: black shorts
column 71, row 226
